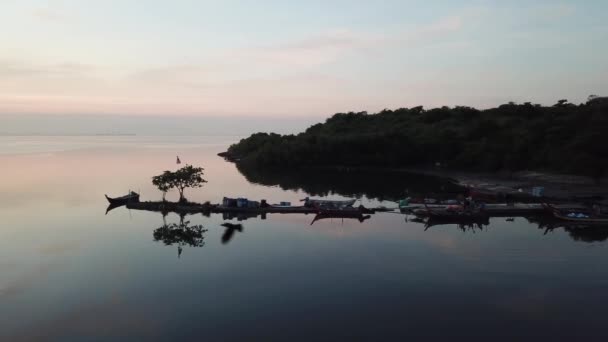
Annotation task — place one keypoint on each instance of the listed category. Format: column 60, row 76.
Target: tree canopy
column 163, row 182
column 186, row 177
column 561, row 138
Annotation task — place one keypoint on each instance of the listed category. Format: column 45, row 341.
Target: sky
column 293, row 59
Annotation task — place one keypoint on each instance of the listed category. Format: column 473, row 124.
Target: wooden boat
column 452, row 214
column 132, row 197
column 334, row 204
column 345, row 211
column 462, row 220
column 414, row 206
column 495, row 193
column 588, row 219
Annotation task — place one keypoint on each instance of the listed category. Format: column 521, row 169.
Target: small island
column 563, row 138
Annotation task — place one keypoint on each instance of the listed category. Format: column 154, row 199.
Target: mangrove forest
column 565, row 138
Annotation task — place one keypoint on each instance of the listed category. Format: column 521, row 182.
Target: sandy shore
column 556, row 185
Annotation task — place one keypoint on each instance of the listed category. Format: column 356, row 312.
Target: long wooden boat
column 132, row 197
column 591, row 219
column 471, row 220
column 457, row 214
column 588, row 217
column 336, row 204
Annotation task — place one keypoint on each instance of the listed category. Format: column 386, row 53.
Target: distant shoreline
column 67, row 135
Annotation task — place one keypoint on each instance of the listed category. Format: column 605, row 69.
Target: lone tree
column 163, row 182
column 187, row 177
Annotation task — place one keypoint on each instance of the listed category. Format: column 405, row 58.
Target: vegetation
column 163, row 182
column 562, row 138
column 186, row 177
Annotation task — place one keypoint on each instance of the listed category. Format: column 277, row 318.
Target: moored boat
column 132, row 197
column 579, row 216
column 329, row 204
column 452, row 212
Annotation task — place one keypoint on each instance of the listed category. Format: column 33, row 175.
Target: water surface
column 70, row 272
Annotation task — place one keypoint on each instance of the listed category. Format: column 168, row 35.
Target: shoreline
column 555, row 185
column 558, row 186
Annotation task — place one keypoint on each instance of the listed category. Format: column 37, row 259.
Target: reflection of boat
column 112, row 206
column 340, row 214
column 347, row 212
column 130, row 198
column 336, row 204
column 576, row 230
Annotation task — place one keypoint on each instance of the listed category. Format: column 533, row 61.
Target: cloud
column 554, row 11
column 49, row 14
column 22, row 69
column 284, row 77
column 318, row 50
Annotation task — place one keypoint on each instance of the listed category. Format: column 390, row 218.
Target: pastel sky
column 295, row 58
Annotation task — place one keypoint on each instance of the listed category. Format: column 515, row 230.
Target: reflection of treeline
column 372, row 183
column 564, row 138
column 578, row 232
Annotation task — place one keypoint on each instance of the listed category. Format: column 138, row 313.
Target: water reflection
column 398, row 273
column 181, row 234
column 112, row 207
column 577, row 232
column 242, row 216
column 330, row 216
column 374, row 184
column 231, row 228
column 464, row 224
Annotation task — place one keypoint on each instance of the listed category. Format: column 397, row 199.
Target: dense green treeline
column 562, row 138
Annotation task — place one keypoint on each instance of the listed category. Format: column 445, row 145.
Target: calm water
column 70, row 272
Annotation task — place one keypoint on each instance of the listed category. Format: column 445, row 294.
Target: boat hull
column 131, row 198
column 591, row 220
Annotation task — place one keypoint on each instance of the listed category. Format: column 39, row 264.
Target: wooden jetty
column 219, row 209
column 501, row 210
column 242, row 213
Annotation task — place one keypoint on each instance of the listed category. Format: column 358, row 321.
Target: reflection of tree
column 379, row 184
column 576, row 231
column 181, row 234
